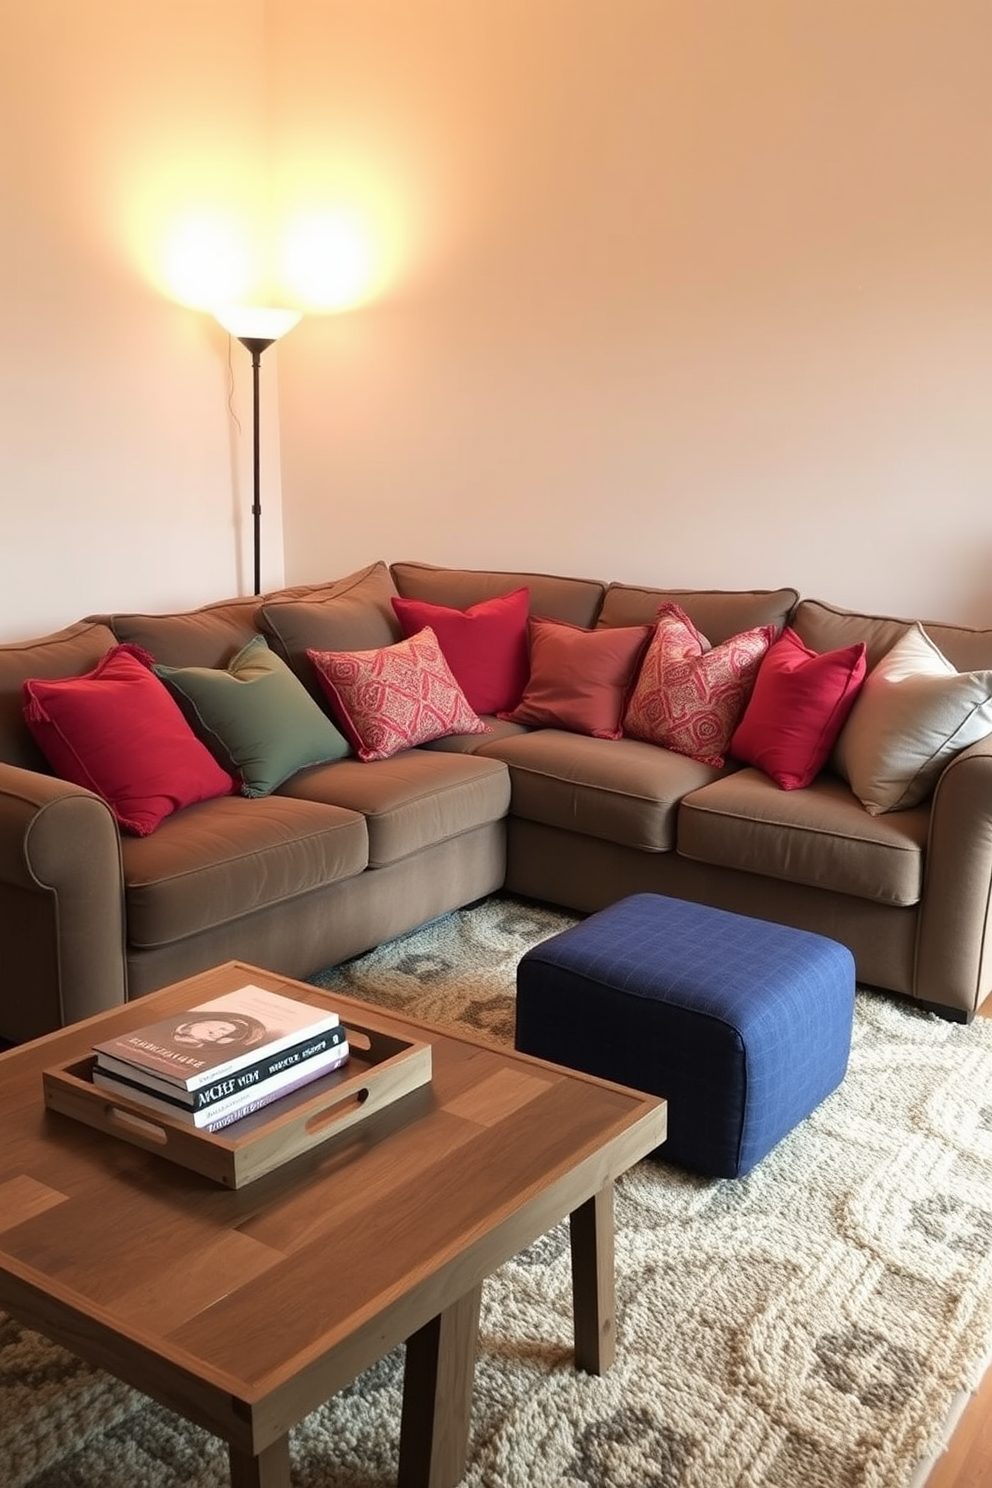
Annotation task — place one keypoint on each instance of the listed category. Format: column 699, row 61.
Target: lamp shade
column 259, row 322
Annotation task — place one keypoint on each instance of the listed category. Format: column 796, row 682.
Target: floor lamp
column 256, row 328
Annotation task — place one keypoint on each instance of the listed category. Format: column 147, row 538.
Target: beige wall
column 688, row 291
column 124, row 480
column 693, row 291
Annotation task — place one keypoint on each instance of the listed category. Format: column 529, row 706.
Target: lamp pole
column 256, row 327
column 256, row 345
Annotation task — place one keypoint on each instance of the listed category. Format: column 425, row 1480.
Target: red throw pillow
column 579, row 679
column 118, row 731
column 689, row 695
column 395, row 697
column 799, row 705
column 485, row 646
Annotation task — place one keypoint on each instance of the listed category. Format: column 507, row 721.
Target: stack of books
column 213, row 1064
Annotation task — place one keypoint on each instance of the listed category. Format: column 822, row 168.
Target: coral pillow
column 117, row 731
column 396, row 696
column 799, row 705
column 485, row 645
column 579, row 679
column 689, row 696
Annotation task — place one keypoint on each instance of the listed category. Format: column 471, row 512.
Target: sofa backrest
column 65, row 653
column 825, row 627
column 717, row 613
column 204, row 637
column 212, row 634
column 552, row 597
column 338, row 614
column 353, row 614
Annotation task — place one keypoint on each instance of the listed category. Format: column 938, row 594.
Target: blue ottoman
column 744, row 1026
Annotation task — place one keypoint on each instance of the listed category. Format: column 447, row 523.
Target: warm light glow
column 261, row 322
column 322, row 258
column 328, row 261
column 207, row 259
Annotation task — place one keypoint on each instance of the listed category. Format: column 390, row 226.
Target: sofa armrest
column 61, row 904
column 954, row 948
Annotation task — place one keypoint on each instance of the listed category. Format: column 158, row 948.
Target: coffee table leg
column 593, row 1282
column 270, row 1469
column 437, row 1396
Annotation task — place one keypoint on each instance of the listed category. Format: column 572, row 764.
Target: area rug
column 815, row 1323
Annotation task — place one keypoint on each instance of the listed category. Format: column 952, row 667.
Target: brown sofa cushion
column 499, row 728
column 353, row 614
column 718, row 613
column 551, row 597
column 821, row 836
column 412, row 800
column 205, row 637
column 621, row 790
column 223, row 859
column 210, row 635
column 825, row 626
column 65, row 653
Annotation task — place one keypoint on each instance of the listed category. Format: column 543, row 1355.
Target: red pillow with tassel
column 117, row 731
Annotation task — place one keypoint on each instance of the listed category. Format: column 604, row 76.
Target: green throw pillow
column 256, row 716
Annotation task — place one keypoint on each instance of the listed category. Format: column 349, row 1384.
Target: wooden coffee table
column 245, row 1309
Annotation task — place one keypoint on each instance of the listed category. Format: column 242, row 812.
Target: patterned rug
column 816, row 1323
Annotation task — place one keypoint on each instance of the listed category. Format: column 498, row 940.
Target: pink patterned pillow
column 395, row 697
column 689, row 696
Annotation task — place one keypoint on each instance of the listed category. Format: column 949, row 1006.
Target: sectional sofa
column 346, row 852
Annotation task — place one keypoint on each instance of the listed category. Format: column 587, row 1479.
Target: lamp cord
column 230, row 383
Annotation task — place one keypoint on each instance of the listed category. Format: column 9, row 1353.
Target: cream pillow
column 913, row 714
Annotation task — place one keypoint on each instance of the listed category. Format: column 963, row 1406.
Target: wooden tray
column 381, row 1069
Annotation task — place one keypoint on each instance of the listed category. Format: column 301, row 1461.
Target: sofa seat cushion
column 618, row 790
column 221, row 860
column 412, row 800
column 821, row 836
column 499, row 728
